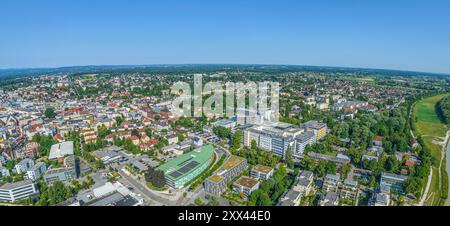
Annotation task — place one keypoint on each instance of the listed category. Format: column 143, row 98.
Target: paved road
column 427, row 189
column 425, row 194
column 154, row 197
column 447, row 202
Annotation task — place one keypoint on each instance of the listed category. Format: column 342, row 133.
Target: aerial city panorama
column 224, row 103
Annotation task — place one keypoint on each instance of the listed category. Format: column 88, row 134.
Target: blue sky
column 399, row 34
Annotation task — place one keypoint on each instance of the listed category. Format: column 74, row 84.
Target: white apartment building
column 24, row 165
column 36, row 171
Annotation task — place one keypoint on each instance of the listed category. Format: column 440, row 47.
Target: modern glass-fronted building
column 186, row 167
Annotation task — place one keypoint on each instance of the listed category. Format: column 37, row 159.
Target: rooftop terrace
column 247, row 182
column 262, row 169
column 232, row 162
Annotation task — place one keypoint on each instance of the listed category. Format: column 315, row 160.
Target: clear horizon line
column 256, row 64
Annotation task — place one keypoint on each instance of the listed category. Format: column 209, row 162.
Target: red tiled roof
column 410, row 163
column 378, row 138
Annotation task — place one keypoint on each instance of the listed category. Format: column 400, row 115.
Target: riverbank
column 429, row 127
column 447, row 202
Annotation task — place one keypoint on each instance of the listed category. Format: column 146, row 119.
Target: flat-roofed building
column 225, row 123
column 304, row 183
column 109, row 155
column 319, row 128
column 302, row 141
column 61, row 150
column 36, row 171
column 116, row 199
column 245, row 185
column 275, row 137
column 349, row 190
column 261, row 172
column 24, row 165
column 290, row 198
column 186, row 167
column 60, row 174
column 231, row 168
column 339, row 159
column 11, row 192
column 114, row 194
column 278, row 137
column 331, row 183
column 4, row 172
column 172, row 139
column 390, row 181
column 380, row 199
column 329, row 199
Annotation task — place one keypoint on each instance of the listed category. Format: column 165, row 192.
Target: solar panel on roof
column 184, row 169
column 188, row 167
column 187, row 160
column 175, row 174
column 192, row 164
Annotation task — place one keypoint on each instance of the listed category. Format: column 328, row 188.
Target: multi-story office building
column 389, row 181
column 186, row 167
column 279, row 137
column 380, row 199
column 319, row 128
column 233, row 167
column 60, row 174
column 36, row 171
column 303, row 140
column 272, row 137
column 12, row 192
column 4, row 172
column 261, row 172
column 24, row 165
column 247, row 116
column 245, row 185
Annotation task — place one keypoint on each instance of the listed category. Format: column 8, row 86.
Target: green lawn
column 428, row 122
column 434, row 193
column 428, row 125
column 151, row 186
column 425, row 109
